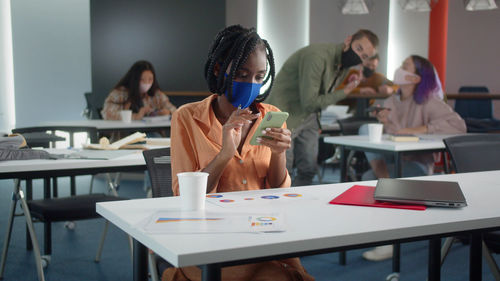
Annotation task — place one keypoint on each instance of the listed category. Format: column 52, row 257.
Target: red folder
column 360, row 195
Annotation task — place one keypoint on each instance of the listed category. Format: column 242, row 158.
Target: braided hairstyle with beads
column 233, row 45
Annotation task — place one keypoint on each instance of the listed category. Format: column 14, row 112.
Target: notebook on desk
column 430, row 193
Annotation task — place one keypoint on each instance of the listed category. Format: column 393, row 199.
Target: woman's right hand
column 144, row 111
column 231, row 130
column 383, row 115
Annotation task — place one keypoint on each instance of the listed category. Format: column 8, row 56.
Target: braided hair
column 233, row 45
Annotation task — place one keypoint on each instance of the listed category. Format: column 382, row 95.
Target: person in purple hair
column 416, row 108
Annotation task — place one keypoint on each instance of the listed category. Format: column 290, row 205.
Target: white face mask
column 144, row 87
column 400, row 77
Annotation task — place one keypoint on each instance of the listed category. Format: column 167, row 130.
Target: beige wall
column 473, row 53
column 327, row 24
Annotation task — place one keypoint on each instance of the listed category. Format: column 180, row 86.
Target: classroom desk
column 35, row 169
column 108, row 126
column 314, row 226
column 427, row 143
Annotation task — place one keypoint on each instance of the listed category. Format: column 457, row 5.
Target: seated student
column 213, row 136
column 138, row 91
column 414, row 109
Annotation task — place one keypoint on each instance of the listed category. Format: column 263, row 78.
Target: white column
column 408, row 35
column 285, row 25
column 7, row 108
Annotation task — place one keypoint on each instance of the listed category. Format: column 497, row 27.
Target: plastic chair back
column 474, row 108
column 474, row 153
column 160, row 171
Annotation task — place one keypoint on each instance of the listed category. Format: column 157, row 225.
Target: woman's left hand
column 280, row 142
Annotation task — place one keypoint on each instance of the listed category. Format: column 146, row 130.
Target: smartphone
column 273, row 119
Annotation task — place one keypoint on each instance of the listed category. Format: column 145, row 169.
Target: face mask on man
column 244, row 93
column 400, row 77
column 350, row 58
column 144, row 87
column 367, row 72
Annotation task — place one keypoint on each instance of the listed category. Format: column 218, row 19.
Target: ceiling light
column 478, row 5
column 354, row 7
column 416, row 5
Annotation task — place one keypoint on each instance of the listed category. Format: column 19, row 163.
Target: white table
column 318, row 227
column 110, row 125
column 34, row 169
column 107, row 126
column 427, row 143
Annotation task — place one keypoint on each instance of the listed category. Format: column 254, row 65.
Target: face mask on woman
column 144, row 87
column 400, row 77
column 244, row 93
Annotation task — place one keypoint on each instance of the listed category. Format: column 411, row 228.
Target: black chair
column 477, row 113
column 160, row 173
column 36, row 137
column 75, row 207
column 474, row 153
column 91, row 111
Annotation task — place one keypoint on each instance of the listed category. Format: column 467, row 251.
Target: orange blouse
column 196, row 138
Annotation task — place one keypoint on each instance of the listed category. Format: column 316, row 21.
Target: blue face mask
column 244, row 93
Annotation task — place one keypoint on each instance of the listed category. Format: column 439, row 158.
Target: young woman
column 138, row 91
column 414, row 109
column 213, row 136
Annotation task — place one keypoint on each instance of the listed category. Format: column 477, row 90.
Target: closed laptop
column 430, row 193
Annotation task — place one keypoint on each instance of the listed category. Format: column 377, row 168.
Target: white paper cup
column 126, row 116
column 375, row 132
column 192, row 189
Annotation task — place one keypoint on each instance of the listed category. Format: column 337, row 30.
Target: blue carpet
column 73, row 251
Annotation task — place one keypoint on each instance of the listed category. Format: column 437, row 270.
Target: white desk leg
column 112, row 186
column 34, row 241
column 9, row 227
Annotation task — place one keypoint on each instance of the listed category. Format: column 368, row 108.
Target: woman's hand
column 280, row 142
column 143, row 111
column 383, row 115
column 231, row 131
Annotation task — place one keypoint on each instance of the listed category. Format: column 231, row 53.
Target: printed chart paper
column 213, row 222
column 231, row 199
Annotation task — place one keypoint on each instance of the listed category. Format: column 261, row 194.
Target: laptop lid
column 430, row 193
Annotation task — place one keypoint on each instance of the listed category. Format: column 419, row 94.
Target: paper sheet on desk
column 261, row 197
column 213, row 222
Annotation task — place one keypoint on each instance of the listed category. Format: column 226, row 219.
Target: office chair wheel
column 45, row 261
column 392, row 277
column 70, row 225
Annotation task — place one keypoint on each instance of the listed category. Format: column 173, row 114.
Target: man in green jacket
column 307, row 83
